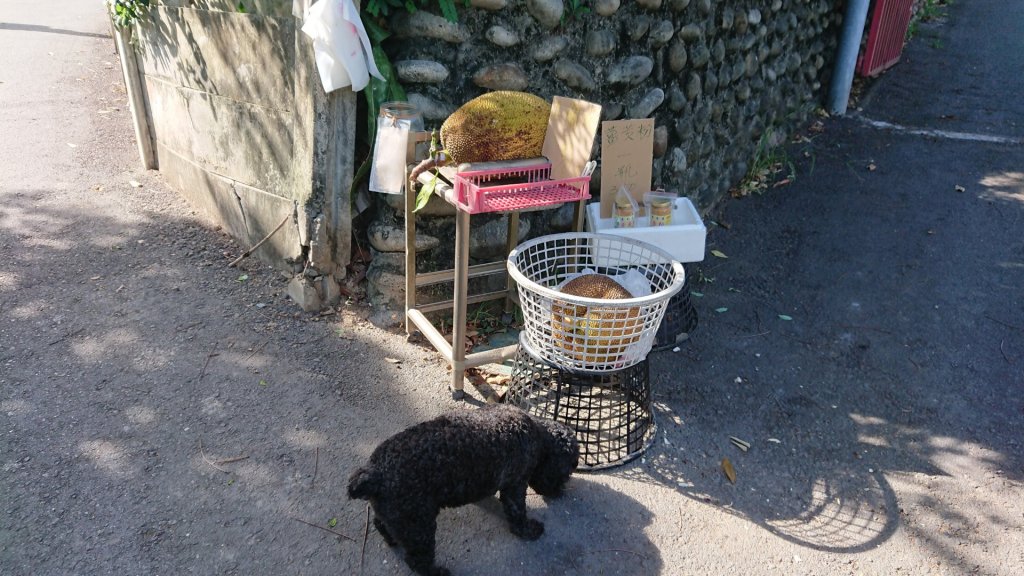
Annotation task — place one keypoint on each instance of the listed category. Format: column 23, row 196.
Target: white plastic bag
column 387, row 173
column 342, row 49
column 394, row 123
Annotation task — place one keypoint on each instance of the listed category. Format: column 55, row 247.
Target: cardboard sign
column 572, row 126
column 627, row 154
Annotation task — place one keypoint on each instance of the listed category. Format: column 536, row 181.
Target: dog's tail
column 363, row 484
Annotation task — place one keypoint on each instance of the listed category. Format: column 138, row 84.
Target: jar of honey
column 625, row 214
column 661, row 211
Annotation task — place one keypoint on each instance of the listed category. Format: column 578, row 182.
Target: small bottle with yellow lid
column 659, row 207
column 625, row 209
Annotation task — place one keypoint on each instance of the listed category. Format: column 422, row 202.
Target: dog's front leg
column 513, row 500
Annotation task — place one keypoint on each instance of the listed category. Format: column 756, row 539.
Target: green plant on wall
column 389, row 89
column 378, row 8
column 127, row 13
column 770, row 160
column 376, row 93
column 927, row 11
column 575, row 10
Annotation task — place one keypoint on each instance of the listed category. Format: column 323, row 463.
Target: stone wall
column 243, row 129
column 715, row 74
column 720, row 77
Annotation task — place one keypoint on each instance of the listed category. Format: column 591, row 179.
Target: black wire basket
column 679, row 322
column 609, row 411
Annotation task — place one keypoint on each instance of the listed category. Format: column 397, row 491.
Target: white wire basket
column 591, row 334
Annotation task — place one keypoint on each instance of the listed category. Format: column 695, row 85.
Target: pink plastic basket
column 535, row 189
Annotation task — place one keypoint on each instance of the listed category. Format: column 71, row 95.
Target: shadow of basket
column 824, row 506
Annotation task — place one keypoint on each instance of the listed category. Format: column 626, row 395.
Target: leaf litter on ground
column 729, row 471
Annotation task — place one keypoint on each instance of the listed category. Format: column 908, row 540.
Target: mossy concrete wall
column 243, row 129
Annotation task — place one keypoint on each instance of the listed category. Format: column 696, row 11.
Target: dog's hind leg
column 379, row 525
column 418, row 539
column 513, row 500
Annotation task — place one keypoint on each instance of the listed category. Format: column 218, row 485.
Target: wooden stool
column 415, row 313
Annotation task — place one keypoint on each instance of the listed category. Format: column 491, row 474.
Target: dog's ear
column 561, row 439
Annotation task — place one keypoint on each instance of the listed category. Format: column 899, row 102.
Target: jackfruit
column 594, row 334
column 502, row 125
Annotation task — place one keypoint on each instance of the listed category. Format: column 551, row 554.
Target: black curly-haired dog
column 457, row 459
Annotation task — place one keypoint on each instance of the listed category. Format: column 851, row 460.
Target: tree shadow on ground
column 48, row 29
column 171, row 408
column 176, row 411
column 866, row 344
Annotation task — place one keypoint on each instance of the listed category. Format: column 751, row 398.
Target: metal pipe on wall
column 846, row 57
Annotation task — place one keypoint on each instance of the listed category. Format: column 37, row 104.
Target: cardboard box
column 683, row 239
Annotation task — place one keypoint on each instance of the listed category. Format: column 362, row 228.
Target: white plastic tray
column 683, row 239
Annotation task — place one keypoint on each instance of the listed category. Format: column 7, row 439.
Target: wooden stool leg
column 410, row 252
column 578, row 211
column 459, row 301
column 510, row 245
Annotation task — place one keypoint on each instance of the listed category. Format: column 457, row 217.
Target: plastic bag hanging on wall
column 341, row 47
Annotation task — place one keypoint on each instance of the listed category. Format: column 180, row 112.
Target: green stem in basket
column 438, row 156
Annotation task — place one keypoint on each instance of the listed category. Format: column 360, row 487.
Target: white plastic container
column 683, row 239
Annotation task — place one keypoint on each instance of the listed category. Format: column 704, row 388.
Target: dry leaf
column 719, row 254
column 476, row 378
column 730, row 472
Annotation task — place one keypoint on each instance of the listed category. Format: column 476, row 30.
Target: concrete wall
column 243, row 128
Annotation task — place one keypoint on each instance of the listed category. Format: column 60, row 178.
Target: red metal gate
column 889, row 22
